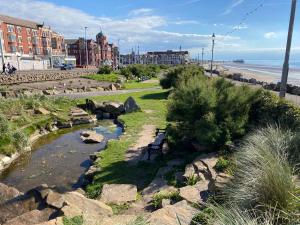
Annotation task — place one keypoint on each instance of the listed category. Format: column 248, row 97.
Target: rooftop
column 19, row 22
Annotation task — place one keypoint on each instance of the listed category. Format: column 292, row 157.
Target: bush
column 139, row 71
column 209, row 111
column 105, row 70
column 180, row 74
column 77, row 220
column 158, row 197
column 264, row 177
column 222, row 164
column 139, row 221
column 192, row 180
column 203, row 217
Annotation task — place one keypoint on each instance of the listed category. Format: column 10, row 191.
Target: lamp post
column 202, row 57
column 212, row 53
column 86, row 48
column 285, row 69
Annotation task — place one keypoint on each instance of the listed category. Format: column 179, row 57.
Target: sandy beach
column 263, row 73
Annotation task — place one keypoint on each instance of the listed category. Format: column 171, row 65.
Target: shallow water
column 58, row 159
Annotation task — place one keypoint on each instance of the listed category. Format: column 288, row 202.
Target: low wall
column 43, row 75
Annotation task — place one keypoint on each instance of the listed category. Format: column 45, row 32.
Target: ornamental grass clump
column 264, row 178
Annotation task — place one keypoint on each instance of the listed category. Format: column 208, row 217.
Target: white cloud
column 184, row 22
column 270, row 35
column 145, row 30
column 229, row 9
column 240, row 27
column 141, row 12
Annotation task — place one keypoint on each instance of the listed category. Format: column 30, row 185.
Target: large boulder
column 170, row 214
column 55, row 200
column 31, row 217
column 130, row 105
column 92, row 211
column 195, row 194
column 91, row 137
column 118, row 193
column 114, row 108
column 7, row 193
column 42, row 111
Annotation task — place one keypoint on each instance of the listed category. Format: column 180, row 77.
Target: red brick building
column 100, row 52
column 29, row 39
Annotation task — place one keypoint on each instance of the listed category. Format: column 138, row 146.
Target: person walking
column 3, row 69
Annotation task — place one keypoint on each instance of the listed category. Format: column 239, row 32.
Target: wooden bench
column 157, row 145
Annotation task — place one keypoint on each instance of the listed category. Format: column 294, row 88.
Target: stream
column 58, row 159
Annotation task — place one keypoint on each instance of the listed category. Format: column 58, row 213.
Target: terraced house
column 27, row 40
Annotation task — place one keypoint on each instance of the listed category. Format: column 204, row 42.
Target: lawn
column 113, row 77
column 113, row 167
column 137, row 85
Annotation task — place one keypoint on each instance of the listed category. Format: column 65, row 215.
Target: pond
column 58, row 159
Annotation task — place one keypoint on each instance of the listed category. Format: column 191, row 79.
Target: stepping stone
column 118, row 193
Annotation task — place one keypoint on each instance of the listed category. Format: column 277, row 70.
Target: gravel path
column 104, row 93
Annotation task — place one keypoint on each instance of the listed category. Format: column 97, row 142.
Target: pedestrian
column 8, row 66
column 3, row 69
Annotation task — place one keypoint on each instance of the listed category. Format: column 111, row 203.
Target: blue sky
column 168, row 24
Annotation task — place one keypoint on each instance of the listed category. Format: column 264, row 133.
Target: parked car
column 67, row 66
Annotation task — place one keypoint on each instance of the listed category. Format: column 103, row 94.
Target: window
column 11, row 38
column 30, row 50
column 13, row 48
column 44, row 34
column 29, row 40
column 35, row 40
column 21, row 49
column 19, row 29
column 28, row 31
column 10, row 28
column 34, row 33
column 20, row 40
column 36, row 51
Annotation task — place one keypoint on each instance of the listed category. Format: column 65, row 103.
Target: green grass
column 136, row 85
column 77, row 220
column 158, row 197
column 18, row 120
column 113, row 77
column 119, row 209
column 113, row 167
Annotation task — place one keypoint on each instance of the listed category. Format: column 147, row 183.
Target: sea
column 273, row 62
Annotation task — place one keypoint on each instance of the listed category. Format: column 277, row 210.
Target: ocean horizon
column 294, row 64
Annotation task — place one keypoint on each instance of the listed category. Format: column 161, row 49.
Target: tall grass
column 264, row 177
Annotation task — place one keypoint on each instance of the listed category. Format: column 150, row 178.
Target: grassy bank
column 136, row 85
column 113, row 167
column 112, row 77
column 19, row 120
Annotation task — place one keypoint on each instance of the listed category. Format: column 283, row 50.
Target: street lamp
column 86, row 48
column 212, row 53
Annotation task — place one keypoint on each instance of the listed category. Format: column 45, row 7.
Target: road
column 78, row 95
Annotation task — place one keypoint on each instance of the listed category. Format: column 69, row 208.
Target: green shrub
column 119, row 209
column 138, row 71
column 20, row 140
column 139, row 221
column 192, row 180
column 209, row 111
column 93, row 190
column 222, row 164
column 180, row 74
column 203, row 217
column 77, row 220
column 264, row 177
column 158, row 197
column 105, row 70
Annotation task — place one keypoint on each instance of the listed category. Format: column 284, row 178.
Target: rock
column 221, row 181
column 195, row 194
column 91, row 137
column 112, row 87
column 64, row 124
column 237, row 76
column 93, row 211
column 165, row 202
column 118, row 220
column 118, row 86
column 57, row 221
column 114, row 108
column 31, row 217
column 170, row 214
column 131, row 106
column 91, row 172
column 8, row 94
column 7, row 193
column 252, row 81
column 118, row 193
column 55, row 199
